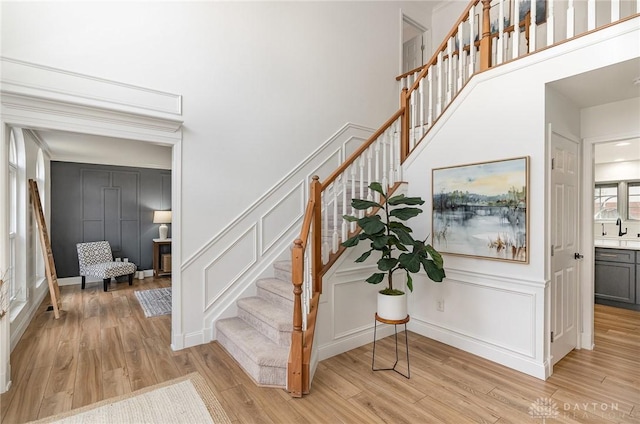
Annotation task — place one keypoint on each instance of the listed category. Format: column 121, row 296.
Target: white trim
column 41, row 97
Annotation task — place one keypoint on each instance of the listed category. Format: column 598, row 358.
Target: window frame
column 632, row 183
column 601, row 186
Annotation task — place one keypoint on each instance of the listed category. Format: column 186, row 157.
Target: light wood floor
column 103, row 346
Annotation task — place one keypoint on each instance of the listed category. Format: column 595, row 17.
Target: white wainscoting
column 227, row 266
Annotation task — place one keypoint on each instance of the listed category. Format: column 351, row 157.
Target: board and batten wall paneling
column 98, row 202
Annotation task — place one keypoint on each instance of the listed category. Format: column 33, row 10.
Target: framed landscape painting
column 481, row 210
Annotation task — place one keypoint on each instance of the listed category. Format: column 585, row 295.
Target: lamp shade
column 162, row 217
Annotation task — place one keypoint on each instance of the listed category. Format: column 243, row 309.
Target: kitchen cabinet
column 617, row 277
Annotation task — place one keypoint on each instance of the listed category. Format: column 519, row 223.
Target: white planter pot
column 392, row 307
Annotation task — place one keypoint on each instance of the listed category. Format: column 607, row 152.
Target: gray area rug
column 155, row 302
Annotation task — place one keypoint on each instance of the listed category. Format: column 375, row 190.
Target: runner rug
column 155, row 302
column 187, row 399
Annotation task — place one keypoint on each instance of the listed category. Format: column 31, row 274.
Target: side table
column 395, row 324
column 158, row 269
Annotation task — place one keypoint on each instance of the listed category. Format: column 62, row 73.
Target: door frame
column 406, row 19
column 587, row 271
column 42, row 98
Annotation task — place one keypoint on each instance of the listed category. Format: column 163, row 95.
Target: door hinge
column 552, row 337
column 553, row 163
column 552, row 250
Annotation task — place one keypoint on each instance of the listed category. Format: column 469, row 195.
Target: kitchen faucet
column 619, row 224
column 604, row 233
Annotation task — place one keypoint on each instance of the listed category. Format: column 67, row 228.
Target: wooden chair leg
column 131, row 279
column 84, row 280
column 106, row 281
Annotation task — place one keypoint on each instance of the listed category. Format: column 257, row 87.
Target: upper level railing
column 483, row 37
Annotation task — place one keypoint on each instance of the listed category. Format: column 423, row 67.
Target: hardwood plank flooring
column 103, row 346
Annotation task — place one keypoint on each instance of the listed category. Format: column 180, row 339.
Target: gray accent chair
column 96, row 260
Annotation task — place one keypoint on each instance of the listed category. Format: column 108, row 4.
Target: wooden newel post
column 404, row 124
column 485, row 41
column 315, row 193
column 294, row 369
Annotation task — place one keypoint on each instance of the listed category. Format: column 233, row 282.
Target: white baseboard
column 479, row 348
column 70, row 281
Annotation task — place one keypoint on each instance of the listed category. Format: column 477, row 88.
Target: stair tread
column 277, row 286
column 268, row 312
column 256, row 346
column 283, row 265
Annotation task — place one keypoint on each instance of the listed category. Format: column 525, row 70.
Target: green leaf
column 353, row 241
column 385, row 264
column 434, row 272
column 371, row 224
column 410, row 261
column 379, row 242
column 361, row 205
column 405, row 213
column 435, row 255
column 364, row 256
column 409, row 281
column 350, row 218
column 378, row 188
column 402, row 200
column 403, row 236
column 375, row 278
column 400, row 225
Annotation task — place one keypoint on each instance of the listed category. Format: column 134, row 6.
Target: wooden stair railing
column 426, row 93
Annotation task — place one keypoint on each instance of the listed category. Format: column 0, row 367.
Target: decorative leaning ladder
column 426, row 92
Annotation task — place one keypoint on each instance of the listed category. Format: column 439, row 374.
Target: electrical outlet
column 441, row 305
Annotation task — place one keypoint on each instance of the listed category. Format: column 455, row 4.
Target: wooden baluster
column 421, row 92
column 485, row 41
column 439, row 78
column 397, row 155
column 550, row 22
column 369, row 155
column 345, row 204
column 404, row 130
column 392, row 135
column 414, row 121
column 515, row 51
column 591, row 14
column 294, row 368
column 385, row 162
column 352, row 168
column 335, row 236
column 615, row 10
column 316, row 252
column 376, row 161
column 500, row 43
column 533, row 27
column 461, row 57
column 571, row 16
column 472, row 49
column 449, row 70
column 362, row 183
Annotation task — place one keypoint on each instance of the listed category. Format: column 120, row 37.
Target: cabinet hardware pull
column 608, row 255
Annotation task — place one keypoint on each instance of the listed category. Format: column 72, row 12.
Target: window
column 13, row 216
column 39, row 257
column 606, row 202
column 633, row 199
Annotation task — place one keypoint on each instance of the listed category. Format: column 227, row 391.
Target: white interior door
column 412, row 53
column 565, row 213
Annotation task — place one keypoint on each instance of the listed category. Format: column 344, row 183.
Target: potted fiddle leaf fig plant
column 392, row 240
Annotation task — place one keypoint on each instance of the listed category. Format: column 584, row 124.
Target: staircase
column 260, row 335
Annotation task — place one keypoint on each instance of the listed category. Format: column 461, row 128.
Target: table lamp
column 163, row 218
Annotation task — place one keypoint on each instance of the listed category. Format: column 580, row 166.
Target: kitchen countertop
column 617, row 244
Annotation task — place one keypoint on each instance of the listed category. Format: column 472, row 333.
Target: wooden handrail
column 355, row 155
column 310, row 241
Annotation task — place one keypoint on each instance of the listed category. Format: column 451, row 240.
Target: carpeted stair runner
column 259, row 337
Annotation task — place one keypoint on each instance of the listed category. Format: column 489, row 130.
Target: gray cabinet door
column 615, row 281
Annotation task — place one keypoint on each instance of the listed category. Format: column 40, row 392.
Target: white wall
column 498, row 309
column 263, row 84
column 254, row 75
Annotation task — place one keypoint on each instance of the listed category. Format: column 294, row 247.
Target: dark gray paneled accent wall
column 100, row 202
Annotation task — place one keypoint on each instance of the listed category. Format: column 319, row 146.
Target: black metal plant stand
column 395, row 324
